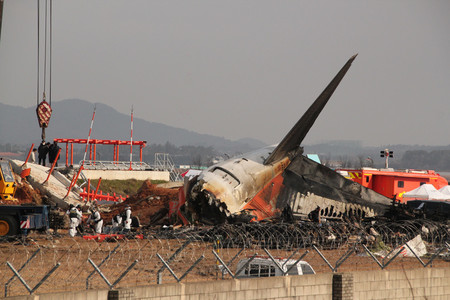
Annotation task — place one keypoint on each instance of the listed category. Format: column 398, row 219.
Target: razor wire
column 192, row 253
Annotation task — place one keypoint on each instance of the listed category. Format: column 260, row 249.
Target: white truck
column 268, row 267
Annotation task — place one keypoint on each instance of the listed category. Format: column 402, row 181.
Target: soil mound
column 146, row 203
column 26, row 194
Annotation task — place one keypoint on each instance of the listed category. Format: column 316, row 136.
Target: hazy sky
column 244, row 68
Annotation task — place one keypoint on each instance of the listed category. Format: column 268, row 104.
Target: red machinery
column 393, row 183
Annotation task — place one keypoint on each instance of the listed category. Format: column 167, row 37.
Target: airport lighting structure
column 386, row 153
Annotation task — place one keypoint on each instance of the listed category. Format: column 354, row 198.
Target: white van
column 266, row 267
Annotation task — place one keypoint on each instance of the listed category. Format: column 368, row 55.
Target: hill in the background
column 72, row 119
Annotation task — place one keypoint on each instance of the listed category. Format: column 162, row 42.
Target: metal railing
column 115, row 165
column 161, row 164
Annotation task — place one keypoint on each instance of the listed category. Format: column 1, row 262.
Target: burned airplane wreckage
column 262, row 184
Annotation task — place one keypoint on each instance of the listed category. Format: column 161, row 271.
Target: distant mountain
column 72, row 119
column 353, row 154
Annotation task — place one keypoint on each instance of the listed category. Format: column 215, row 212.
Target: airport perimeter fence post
column 339, row 262
column 111, row 286
column 274, row 261
column 323, row 257
column 292, row 255
column 296, row 262
column 32, row 290
column 393, row 257
column 229, row 262
column 246, row 265
column 430, row 260
column 99, row 272
column 192, row 267
column 124, row 273
column 223, row 264
column 383, row 265
column 159, row 273
column 166, row 265
column 21, row 268
column 45, row 277
column 281, row 267
column 343, row 258
column 100, row 264
column 373, row 257
column 227, row 269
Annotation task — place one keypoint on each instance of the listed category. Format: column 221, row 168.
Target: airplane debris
column 260, row 185
column 252, row 187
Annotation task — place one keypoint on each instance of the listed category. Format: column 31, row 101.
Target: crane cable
column 43, row 109
column 38, row 52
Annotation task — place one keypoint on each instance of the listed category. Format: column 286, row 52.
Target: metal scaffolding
column 163, row 161
column 93, row 146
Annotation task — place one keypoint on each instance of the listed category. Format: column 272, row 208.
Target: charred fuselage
column 224, row 189
column 263, row 183
column 308, row 184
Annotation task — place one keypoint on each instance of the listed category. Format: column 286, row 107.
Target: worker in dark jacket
column 53, row 151
column 42, row 152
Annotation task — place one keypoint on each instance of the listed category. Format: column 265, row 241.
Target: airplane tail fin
column 296, row 135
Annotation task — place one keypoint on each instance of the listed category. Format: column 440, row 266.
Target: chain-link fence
column 51, row 263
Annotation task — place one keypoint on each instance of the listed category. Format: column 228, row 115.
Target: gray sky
column 245, row 68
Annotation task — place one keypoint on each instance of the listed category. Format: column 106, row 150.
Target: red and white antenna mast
column 131, row 139
column 89, row 136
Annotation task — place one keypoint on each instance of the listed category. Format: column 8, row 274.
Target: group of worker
column 42, row 151
column 120, row 222
column 122, row 219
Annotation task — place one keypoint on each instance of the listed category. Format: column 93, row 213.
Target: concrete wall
column 422, row 283
column 318, row 287
column 124, row 175
column 82, row 295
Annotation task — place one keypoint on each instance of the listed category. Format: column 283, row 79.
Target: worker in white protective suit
column 74, row 220
column 117, row 221
column 80, row 228
column 96, row 220
column 127, row 219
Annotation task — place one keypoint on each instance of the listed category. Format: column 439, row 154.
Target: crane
column 44, row 109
